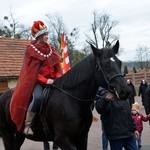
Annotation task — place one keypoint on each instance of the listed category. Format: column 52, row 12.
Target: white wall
column 12, row 83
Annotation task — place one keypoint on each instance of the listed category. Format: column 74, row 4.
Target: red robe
column 31, row 67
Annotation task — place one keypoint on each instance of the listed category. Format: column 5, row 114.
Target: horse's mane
column 80, row 72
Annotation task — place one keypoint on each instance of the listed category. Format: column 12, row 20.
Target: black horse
column 68, row 113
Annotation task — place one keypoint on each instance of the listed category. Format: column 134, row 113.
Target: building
column 11, row 57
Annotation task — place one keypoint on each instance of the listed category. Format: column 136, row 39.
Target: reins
column 74, row 97
column 111, row 87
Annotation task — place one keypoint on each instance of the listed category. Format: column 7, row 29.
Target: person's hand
column 50, row 81
column 109, row 96
column 136, row 133
column 148, row 115
column 102, row 93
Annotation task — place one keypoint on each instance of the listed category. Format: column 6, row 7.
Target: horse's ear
column 116, row 47
column 95, row 50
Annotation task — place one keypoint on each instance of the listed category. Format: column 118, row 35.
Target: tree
column 134, row 70
column 13, row 28
column 102, row 30
column 56, row 26
column 77, row 56
column 142, row 56
column 125, row 70
column 147, row 54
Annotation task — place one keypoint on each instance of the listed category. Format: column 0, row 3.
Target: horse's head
column 108, row 67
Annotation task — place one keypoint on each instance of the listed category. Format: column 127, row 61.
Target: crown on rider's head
column 38, row 28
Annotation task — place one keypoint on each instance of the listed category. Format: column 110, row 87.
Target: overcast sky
column 133, row 17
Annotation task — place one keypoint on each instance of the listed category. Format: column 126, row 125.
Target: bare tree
column 101, row 29
column 14, row 29
column 142, row 56
column 13, row 24
column 56, row 26
column 147, row 56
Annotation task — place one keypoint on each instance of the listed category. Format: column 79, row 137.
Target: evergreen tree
column 134, row 70
column 125, row 70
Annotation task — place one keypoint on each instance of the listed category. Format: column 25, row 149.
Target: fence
column 137, row 77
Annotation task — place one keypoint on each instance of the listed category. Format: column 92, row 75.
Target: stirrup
column 28, row 130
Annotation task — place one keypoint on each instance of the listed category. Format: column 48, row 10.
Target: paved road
column 95, row 133
column 94, row 137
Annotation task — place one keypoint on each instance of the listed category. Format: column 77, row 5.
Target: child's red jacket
column 138, row 119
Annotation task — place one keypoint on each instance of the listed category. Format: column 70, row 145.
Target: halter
column 111, row 87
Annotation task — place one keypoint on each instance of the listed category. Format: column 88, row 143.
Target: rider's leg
column 28, row 122
column 33, row 108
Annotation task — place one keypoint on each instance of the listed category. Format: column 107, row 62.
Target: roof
column 11, row 56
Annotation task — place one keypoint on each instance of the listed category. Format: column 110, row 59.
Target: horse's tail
column 4, row 105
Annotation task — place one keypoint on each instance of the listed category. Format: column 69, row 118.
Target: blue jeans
column 126, row 143
column 37, row 98
column 104, row 139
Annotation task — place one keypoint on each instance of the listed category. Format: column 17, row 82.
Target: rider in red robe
column 40, row 66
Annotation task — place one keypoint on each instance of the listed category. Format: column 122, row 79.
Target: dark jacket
column 142, row 89
column 116, row 116
column 132, row 94
column 147, row 100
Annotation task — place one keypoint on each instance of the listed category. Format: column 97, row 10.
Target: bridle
column 111, row 87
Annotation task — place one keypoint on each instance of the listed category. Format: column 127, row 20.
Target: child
column 138, row 119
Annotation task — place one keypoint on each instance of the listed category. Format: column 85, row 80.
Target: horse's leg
column 12, row 140
column 65, row 144
column 8, row 140
column 84, row 144
column 18, row 141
